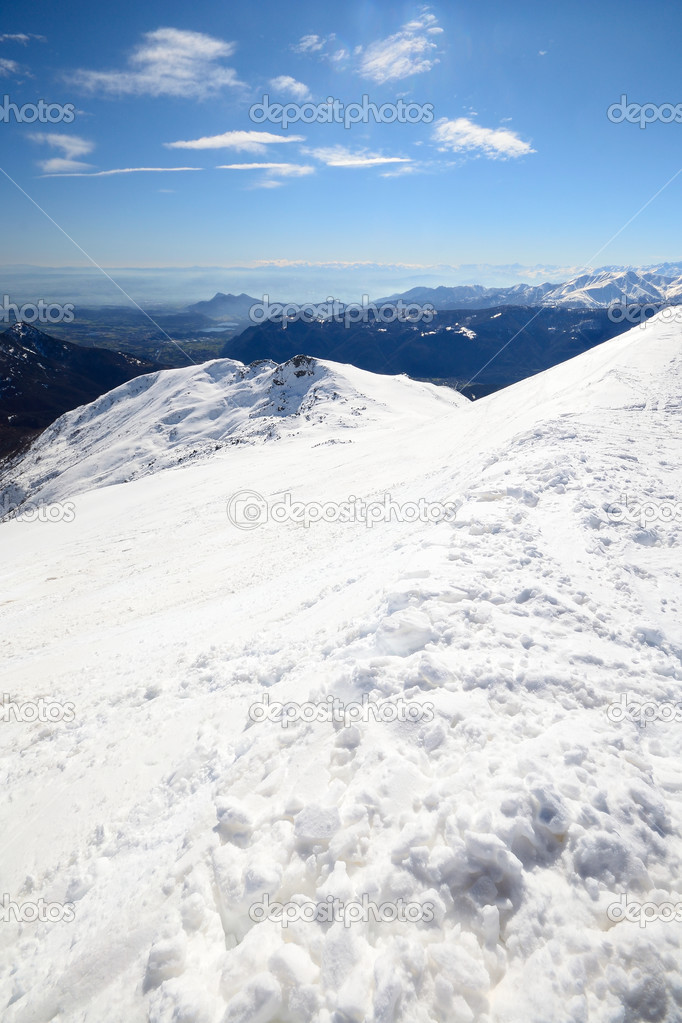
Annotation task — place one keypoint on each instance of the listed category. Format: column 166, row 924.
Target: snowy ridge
column 594, row 290
column 519, row 811
column 164, row 419
column 605, row 288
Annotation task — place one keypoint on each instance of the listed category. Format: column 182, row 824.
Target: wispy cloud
column 71, row 146
column 8, row 67
column 289, row 85
column 409, row 51
column 20, row 37
column 464, row 136
column 272, row 172
column 293, row 170
column 123, row 170
column 339, row 156
column 246, row 141
column 312, row 43
column 168, row 62
column 401, row 170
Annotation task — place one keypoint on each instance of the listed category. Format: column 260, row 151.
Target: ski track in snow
column 520, row 812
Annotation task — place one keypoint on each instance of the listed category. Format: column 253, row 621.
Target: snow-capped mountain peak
column 171, row 417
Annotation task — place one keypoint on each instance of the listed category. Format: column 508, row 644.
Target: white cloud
column 339, row 156
column 126, row 170
column 169, row 62
column 401, row 171
column 312, row 43
column 248, row 141
column 463, row 136
column 407, row 52
column 59, row 165
column 273, row 172
column 8, row 67
column 20, row 37
column 71, row 146
column 293, row 170
column 289, row 85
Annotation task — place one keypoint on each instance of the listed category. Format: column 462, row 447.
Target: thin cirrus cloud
column 71, row 147
column 339, row 156
column 312, row 43
column 290, row 87
column 245, row 141
column 168, row 62
column 20, row 37
column 464, row 136
column 122, row 170
column 273, row 172
column 293, row 170
column 401, row 170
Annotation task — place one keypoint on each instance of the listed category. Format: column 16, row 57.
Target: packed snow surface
column 512, row 812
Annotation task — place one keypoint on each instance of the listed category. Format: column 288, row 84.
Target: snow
column 163, row 419
column 514, row 808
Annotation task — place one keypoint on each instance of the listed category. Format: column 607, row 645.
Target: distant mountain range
column 590, row 291
column 605, row 287
column 454, row 347
column 496, row 336
column 41, row 378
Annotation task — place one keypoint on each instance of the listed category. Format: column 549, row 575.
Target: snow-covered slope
column 514, row 809
column 605, row 288
column 168, row 418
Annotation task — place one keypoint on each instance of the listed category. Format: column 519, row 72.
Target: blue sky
column 520, row 163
